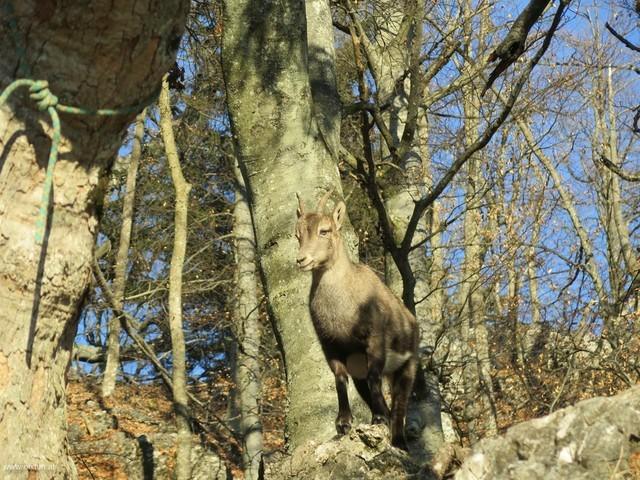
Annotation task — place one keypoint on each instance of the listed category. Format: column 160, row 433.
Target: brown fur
column 364, row 329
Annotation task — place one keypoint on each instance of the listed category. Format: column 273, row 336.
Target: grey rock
column 592, row 440
column 365, row 453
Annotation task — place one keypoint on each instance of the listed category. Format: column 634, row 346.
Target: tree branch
column 128, row 323
column 422, row 204
column 624, row 41
column 629, row 177
column 513, row 45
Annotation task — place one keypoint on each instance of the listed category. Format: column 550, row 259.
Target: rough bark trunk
column 479, row 413
column 178, row 355
column 322, row 73
column 247, row 324
column 281, row 151
column 617, row 226
column 94, row 55
column 622, row 226
column 122, row 257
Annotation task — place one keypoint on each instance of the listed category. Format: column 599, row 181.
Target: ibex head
column 318, row 234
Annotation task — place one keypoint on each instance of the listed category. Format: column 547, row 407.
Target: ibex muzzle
column 364, row 329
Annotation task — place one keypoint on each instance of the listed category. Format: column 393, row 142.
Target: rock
column 365, row 453
column 371, row 435
column 593, row 440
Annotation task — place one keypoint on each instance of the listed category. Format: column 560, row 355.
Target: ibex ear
column 300, row 210
column 338, row 214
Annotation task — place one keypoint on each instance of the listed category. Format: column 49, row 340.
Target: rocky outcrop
column 595, row 439
column 365, row 453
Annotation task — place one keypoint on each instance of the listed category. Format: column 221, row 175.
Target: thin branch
column 629, row 177
column 128, row 323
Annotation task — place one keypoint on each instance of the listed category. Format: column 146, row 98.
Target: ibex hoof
column 380, row 420
column 343, row 425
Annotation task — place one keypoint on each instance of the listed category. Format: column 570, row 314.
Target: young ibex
column 364, row 329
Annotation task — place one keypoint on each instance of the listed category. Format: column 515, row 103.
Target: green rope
column 47, row 101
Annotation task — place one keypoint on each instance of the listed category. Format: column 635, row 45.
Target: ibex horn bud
column 300, row 205
column 323, row 201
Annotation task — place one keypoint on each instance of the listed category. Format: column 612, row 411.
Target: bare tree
column 178, row 372
column 122, row 260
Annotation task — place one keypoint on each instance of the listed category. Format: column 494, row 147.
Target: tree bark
column 322, row 73
column 122, row 257
column 178, row 355
column 531, row 337
column 281, row 151
column 247, row 324
column 93, row 55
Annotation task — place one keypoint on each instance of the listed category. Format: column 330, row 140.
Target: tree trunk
column 622, row 260
column 322, row 73
column 281, row 151
column 122, row 257
column 480, row 413
column 178, row 356
column 395, row 51
column 532, row 337
column 247, row 324
column 94, row 55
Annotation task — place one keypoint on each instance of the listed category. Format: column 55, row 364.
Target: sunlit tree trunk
column 622, row 226
column 622, row 260
column 178, row 355
column 479, row 406
column 532, row 336
column 42, row 286
column 282, row 151
column 122, row 257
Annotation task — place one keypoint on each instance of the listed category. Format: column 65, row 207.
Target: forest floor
column 146, row 410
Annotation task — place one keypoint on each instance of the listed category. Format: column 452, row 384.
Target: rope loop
column 42, row 95
column 47, row 101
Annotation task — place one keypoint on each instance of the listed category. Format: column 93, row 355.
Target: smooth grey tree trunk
column 93, row 55
column 122, row 257
column 282, row 151
column 178, row 354
column 248, row 332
